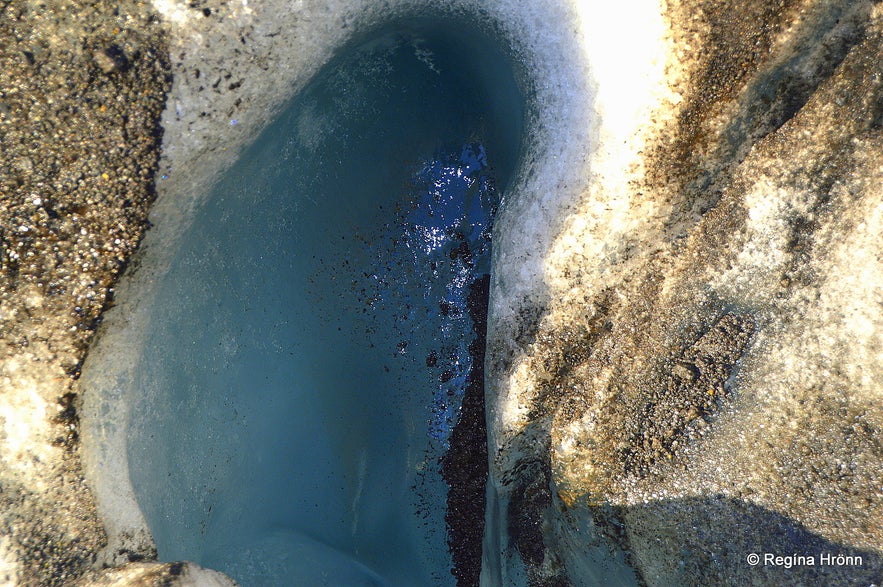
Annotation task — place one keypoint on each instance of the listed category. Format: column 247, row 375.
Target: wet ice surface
column 310, row 342
column 440, row 245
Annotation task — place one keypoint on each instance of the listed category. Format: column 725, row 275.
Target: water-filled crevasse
column 310, row 344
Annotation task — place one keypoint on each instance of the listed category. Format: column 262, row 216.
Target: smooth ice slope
column 307, row 347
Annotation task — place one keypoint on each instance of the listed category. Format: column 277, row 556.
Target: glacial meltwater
column 309, row 346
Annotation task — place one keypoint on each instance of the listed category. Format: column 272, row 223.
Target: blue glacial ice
column 308, row 347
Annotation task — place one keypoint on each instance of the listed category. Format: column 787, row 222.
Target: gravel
column 82, row 88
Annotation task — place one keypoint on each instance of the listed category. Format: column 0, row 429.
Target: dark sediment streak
column 464, row 466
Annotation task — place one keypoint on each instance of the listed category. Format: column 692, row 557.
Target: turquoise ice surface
column 308, row 346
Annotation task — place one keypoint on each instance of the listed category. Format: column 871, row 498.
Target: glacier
column 308, row 346
column 684, row 276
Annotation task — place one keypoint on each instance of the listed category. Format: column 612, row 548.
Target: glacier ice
column 307, row 348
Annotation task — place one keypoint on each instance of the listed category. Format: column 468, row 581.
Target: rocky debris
column 464, row 465
column 82, row 87
column 678, row 405
column 721, row 366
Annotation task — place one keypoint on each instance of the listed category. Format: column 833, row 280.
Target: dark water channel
column 313, row 341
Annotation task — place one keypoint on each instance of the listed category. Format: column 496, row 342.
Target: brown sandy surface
column 82, row 87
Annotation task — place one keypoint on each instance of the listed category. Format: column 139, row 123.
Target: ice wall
column 224, row 93
column 307, row 349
